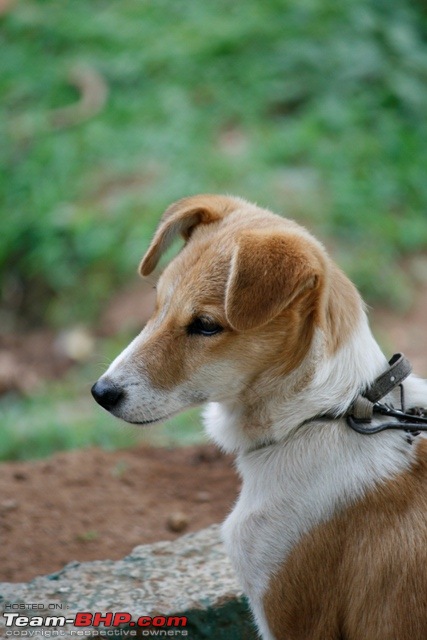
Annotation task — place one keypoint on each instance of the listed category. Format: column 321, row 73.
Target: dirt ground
column 92, row 504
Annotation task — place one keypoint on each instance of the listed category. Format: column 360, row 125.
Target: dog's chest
column 249, row 538
column 273, row 511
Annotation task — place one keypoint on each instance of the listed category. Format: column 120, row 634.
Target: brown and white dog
column 329, row 534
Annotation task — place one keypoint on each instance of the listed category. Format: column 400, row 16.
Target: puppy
column 329, row 534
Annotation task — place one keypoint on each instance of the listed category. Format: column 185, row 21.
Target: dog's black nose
column 106, row 394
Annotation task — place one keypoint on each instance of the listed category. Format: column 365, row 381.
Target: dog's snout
column 107, row 394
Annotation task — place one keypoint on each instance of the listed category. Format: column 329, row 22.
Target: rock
column 20, row 475
column 177, row 522
column 190, row 577
column 8, row 505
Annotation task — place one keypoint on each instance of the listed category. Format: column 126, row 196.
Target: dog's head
column 241, row 298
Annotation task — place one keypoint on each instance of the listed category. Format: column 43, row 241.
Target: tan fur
column 353, row 578
column 268, row 271
column 270, row 276
column 170, row 355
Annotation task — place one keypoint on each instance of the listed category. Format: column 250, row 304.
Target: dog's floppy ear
column 181, row 218
column 268, row 271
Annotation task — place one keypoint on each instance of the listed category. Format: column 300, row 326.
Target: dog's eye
column 204, row 327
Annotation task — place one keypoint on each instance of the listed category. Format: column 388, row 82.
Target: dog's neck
column 273, row 408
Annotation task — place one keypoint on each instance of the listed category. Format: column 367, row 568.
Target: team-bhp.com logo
column 100, row 624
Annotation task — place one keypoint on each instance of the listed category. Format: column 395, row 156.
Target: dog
column 329, row 534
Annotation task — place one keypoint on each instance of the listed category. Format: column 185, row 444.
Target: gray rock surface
column 191, row 577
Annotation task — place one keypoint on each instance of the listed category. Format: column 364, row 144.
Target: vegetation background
column 111, row 110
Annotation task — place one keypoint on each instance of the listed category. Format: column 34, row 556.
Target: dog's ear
column 181, row 218
column 268, row 271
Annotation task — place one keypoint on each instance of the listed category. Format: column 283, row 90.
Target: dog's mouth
column 152, row 421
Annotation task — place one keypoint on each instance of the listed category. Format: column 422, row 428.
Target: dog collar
column 366, row 406
column 360, row 414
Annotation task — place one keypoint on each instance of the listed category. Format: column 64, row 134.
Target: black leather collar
column 365, row 407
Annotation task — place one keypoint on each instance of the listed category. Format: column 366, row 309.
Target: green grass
column 326, row 103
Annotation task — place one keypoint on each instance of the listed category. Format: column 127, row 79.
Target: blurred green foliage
column 317, row 109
